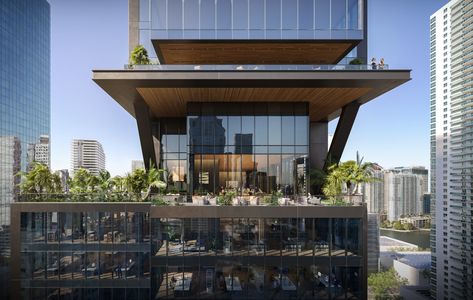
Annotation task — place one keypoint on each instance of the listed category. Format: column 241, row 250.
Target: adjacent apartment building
column 451, row 92
column 24, row 100
column 397, row 192
column 237, row 101
column 87, row 154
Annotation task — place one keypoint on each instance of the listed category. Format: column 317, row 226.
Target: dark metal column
column 143, row 120
column 318, row 144
column 345, row 123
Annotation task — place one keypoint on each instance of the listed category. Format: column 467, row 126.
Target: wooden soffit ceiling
column 172, row 102
column 234, row 52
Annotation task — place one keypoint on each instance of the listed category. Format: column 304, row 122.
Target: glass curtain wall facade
column 24, row 99
column 257, row 258
column 85, row 255
column 114, row 252
column 262, row 148
column 249, row 19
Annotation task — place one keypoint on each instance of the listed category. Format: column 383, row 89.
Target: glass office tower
column 24, row 99
column 250, row 20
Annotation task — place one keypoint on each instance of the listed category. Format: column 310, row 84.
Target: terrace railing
column 254, row 68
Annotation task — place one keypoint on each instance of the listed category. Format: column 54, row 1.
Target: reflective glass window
column 207, row 14
column 175, row 15
column 322, row 14
column 306, row 14
column 261, row 130
column 338, row 14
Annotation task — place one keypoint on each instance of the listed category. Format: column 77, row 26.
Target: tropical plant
column 273, row 199
column 317, row 180
column 356, row 61
column 79, row 183
column 159, row 201
column 141, row 183
column 349, row 175
column 385, row 285
column 227, row 199
column 139, row 56
column 39, row 180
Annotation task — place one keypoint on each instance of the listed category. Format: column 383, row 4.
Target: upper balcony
column 226, row 31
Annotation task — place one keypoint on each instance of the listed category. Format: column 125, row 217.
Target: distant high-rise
column 24, row 100
column 87, row 154
column 451, row 94
column 137, row 164
column 396, row 192
column 39, row 152
column 404, row 194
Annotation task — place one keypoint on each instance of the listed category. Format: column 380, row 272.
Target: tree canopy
column 385, row 285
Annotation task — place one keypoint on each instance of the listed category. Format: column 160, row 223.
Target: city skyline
column 385, row 132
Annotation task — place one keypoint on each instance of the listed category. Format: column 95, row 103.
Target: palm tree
column 39, row 180
column 349, row 174
column 80, row 182
column 154, row 180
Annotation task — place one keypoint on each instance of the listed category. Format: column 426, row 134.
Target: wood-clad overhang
column 168, row 92
column 206, row 52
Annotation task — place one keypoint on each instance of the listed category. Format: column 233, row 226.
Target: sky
column 392, row 130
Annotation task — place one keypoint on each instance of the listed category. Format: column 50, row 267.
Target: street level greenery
column 40, row 184
column 385, row 285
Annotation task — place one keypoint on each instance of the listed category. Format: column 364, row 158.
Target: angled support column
column 145, row 130
column 345, row 123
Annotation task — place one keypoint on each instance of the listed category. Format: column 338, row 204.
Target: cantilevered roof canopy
column 252, row 51
column 168, row 92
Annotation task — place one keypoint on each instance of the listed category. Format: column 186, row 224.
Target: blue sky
column 392, row 130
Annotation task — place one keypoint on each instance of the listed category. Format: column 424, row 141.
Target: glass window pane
column 302, row 124
column 207, row 14
column 322, row 14
column 287, row 175
column 306, row 14
column 240, row 14
column 234, row 129
column 158, row 11
column 288, row 130
column 261, row 166
column 175, row 14
column 353, row 16
column 224, row 14
column 338, row 237
column 261, row 130
column 191, row 14
column 273, row 14
column 338, row 14
column 256, row 14
column 274, row 130
column 289, row 14
column 274, row 172
column 221, row 132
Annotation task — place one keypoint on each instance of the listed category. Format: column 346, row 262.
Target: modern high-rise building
column 451, row 92
column 39, row 152
column 237, row 101
column 87, row 154
column 397, row 192
column 24, row 99
column 404, row 194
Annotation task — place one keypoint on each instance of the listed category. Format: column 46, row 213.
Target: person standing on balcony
column 381, row 64
column 373, row 63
